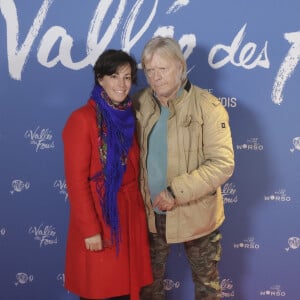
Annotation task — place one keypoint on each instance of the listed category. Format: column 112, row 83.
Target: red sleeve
column 77, row 138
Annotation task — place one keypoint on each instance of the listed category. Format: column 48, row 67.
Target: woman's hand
column 93, row 243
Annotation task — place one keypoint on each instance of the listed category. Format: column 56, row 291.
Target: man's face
column 164, row 76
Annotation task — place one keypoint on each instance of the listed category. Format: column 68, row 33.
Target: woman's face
column 117, row 85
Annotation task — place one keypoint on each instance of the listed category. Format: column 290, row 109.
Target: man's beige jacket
column 200, row 160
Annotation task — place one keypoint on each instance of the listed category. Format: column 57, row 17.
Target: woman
column 107, row 253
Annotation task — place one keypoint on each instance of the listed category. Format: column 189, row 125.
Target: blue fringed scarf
column 116, row 125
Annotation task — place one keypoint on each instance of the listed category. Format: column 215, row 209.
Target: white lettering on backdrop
column 245, row 57
column 287, row 67
column 18, row 53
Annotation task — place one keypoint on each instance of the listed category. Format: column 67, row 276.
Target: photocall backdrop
column 244, row 52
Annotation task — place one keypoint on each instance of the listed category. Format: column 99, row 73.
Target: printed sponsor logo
column 227, row 288
column 279, row 196
column 229, row 193
column 293, row 243
column 41, row 138
column 273, row 291
column 296, row 144
column 19, row 186
column 45, row 234
column 252, row 144
column 23, row 278
column 248, row 243
column 169, row 284
column 228, row 102
column 2, row 231
column 62, row 187
column 61, row 277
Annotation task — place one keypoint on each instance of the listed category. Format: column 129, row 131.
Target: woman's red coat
column 102, row 274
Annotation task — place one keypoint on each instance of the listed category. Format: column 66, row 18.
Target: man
column 186, row 155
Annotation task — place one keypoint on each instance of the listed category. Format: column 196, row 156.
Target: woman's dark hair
column 110, row 60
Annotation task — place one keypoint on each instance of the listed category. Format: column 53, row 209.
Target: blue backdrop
column 245, row 52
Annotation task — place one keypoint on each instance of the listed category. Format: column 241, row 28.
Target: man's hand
column 164, row 201
column 93, row 243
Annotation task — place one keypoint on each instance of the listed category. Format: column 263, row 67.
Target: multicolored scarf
column 116, row 125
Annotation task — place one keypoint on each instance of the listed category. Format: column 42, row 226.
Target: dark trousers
column 203, row 255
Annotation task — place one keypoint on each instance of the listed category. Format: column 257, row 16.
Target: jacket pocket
column 192, row 134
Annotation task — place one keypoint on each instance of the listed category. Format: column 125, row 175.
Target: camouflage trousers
column 203, row 255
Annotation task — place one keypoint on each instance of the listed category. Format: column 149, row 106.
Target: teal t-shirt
column 157, row 155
